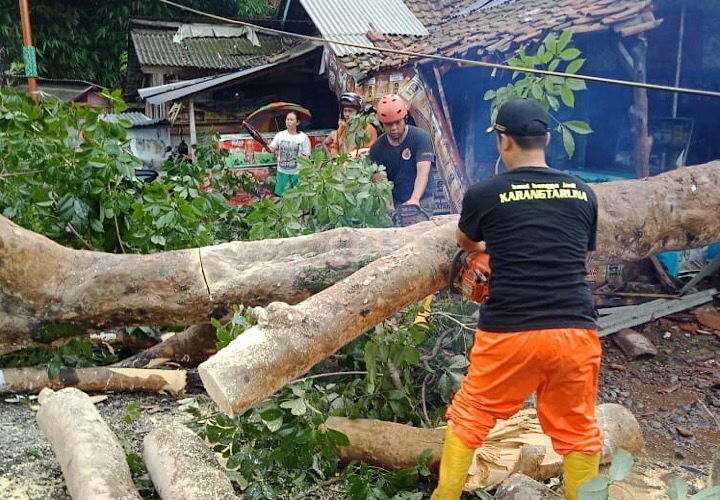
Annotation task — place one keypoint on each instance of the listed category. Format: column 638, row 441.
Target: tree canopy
column 87, row 40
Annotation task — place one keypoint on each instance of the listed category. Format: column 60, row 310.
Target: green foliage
column 550, row 91
column 70, row 175
column 280, row 448
column 356, row 135
column 88, row 40
column 77, row 353
column 332, row 193
column 598, row 488
column 241, row 320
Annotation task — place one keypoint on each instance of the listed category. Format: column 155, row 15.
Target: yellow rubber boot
column 577, row 469
column 454, row 464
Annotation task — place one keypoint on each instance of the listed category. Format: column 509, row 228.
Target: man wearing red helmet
column 345, row 140
column 406, row 152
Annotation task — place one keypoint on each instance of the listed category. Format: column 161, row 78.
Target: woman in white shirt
column 288, row 145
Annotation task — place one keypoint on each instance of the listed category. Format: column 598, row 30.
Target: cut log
column 92, row 460
column 32, row 380
column 182, row 467
column 289, row 340
column 188, row 348
column 512, row 446
column 48, row 291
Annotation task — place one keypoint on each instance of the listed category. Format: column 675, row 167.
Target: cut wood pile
column 181, row 466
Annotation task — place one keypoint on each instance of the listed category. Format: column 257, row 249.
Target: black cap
column 521, row 116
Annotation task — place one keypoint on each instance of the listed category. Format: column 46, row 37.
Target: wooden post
column 193, row 130
column 681, row 36
column 28, row 51
column 639, row 110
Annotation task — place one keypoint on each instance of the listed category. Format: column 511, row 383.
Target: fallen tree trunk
column 289, row 340
column 48, row 291
column 92, row 460
column 512, row 445
column 182, row 467
column 32, row 380
column 188, row 348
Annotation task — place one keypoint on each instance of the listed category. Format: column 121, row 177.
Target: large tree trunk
column 513, row 445
column 48, row 291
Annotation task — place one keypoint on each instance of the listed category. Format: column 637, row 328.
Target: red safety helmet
column 391, row 108
column 350, row 100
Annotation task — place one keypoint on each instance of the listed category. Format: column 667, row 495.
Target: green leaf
column 621, row 465
column 569, row 54
column 563, row 41
column 568, row 141
column 595, row 489
column 678, row 489
column 550, row 43
column 458, row 362
column 567, row 96
column 579, row 127
column 296, row 406
column 574, row 66
column 575, row 84
column 712, row 493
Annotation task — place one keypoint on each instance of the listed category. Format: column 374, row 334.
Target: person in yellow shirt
column 345, row 139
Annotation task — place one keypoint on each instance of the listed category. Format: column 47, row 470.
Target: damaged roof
column 203, row 46
column 351, row 21
column 501, row 26
column 474, row 29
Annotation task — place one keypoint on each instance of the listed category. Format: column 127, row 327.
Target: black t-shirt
column 401, row 161
column 538, row 224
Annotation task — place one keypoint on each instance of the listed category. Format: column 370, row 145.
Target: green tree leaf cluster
column 68, row 174
column 88, row 39
column 553, row 54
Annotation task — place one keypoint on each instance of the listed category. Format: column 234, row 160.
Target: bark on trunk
column 92, row 460
column 182, row 467
column 48, row 291
column 512, row 445
column 188, row 348
column 95, row 379
column 289, row 340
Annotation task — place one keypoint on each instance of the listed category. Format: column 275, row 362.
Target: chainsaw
column 470, row 275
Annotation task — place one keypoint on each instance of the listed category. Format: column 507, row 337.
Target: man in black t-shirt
column 406, row 152
column 537, row 331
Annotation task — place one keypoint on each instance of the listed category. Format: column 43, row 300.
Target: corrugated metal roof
column 160, row 94
column 350, row 21
column 165, row 93
column 156, row 48
column 136, row 118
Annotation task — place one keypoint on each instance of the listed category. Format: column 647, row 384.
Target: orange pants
column 561, row 365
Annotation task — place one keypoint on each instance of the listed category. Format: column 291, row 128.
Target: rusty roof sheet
column 154, row 46
column 471, row 29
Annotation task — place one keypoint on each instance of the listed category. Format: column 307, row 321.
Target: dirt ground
column 675, row 396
